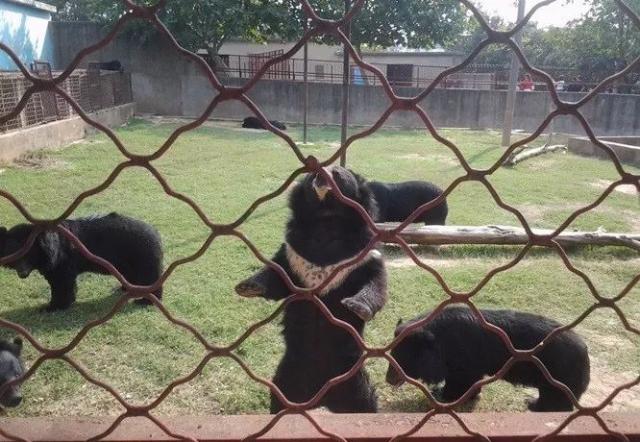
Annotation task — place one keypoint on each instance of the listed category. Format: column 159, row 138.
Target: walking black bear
column 133, row 247
column 455, row 348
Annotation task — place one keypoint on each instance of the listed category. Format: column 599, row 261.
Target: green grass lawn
column 225, row 169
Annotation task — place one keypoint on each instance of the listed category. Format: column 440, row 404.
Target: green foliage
column 208, row 24
column 599, row 44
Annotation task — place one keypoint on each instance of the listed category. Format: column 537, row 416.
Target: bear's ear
column 17, row 342
column 49, row 243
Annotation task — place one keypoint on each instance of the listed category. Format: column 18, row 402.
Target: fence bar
column 513, row 80
column 305, row 109
column 345, row 86
column 503, row 427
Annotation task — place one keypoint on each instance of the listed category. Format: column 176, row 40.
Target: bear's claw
column 359, row 308
column 249, row 289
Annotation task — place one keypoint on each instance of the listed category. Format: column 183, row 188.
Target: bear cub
column 10, row 368
column 455, row 348
column 133, row 247
column 321, row 234
column 396, row 201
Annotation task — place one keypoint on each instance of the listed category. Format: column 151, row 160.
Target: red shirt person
column 526, row 84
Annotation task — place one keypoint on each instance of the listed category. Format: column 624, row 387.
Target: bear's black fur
column 396, row 201
column 133, row 247
column 322, row 232
column 455, row 348
column 10, row 368
column 255, row 123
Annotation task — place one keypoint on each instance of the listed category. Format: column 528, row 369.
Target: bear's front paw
column 249, row 289
column 359, row 308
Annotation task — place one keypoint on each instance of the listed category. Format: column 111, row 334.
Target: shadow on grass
column 39, row 322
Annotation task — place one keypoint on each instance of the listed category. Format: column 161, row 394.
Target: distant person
column 526, row 84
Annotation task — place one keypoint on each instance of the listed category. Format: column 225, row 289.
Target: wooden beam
column 507, row 235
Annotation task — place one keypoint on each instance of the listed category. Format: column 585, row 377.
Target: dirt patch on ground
column 627, row 189
column 604, row 380
column 39, row 161
column 404, row 262
column 537, row 212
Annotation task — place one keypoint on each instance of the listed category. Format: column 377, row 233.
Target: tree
column 396, row 23
column 207, row 24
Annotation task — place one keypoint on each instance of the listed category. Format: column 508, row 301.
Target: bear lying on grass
column 455, row 348
column 321, row 234
column 255, row 123
column 10, row 368
column 131, row 246
column 396, row 201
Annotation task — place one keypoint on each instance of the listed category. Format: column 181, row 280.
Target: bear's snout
column 12, row 398
column 321, row 186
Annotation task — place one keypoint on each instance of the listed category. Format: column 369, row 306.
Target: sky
column 555, row 14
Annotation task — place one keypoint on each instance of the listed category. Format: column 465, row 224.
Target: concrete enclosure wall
column 164, row 83
column 59, row 133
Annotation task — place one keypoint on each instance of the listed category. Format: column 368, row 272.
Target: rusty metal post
column 346, row 77
column 513, row 81
column 305, row 109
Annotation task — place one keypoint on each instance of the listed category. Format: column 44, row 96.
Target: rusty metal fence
column 607, row 427
column 91, row 89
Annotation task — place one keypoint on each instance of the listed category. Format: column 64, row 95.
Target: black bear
column 455, row 348
column 396, row 201
column 321, row 234
column 133, row 247
column 10, row 368
column 255, row 123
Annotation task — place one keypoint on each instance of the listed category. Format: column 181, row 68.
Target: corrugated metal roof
column 33, row 4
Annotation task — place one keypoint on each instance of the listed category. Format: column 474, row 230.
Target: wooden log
column 525, row 154
column 507, row 235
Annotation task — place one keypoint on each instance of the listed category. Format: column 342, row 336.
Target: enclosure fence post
column 345, row 85
column 306, row 88
column 513, row 80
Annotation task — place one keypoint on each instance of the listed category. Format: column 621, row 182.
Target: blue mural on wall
column 26, row 31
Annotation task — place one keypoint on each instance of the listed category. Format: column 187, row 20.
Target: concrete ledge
column 627, row 153
column 59, row 133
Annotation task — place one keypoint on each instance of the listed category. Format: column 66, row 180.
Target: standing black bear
column 323, row 233
column 131, row 246
column 396, row 201
column 10, row 368
column 455, row 348
column 255, row 123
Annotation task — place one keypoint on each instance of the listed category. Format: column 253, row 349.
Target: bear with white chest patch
column 322, row 234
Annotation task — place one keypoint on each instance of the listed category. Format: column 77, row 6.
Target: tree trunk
column 219, row 67
column 507, row 235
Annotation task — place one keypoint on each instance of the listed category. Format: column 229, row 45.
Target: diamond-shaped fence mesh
column 68, row 88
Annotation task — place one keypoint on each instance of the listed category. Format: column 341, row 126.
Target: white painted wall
column 26, row 31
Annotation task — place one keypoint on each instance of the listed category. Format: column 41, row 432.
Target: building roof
column 35, row 5
column 431, row 53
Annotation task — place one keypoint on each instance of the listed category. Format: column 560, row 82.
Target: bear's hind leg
column 355, row 395
column 294, row 382
column 549, row 399
column 63, row 291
